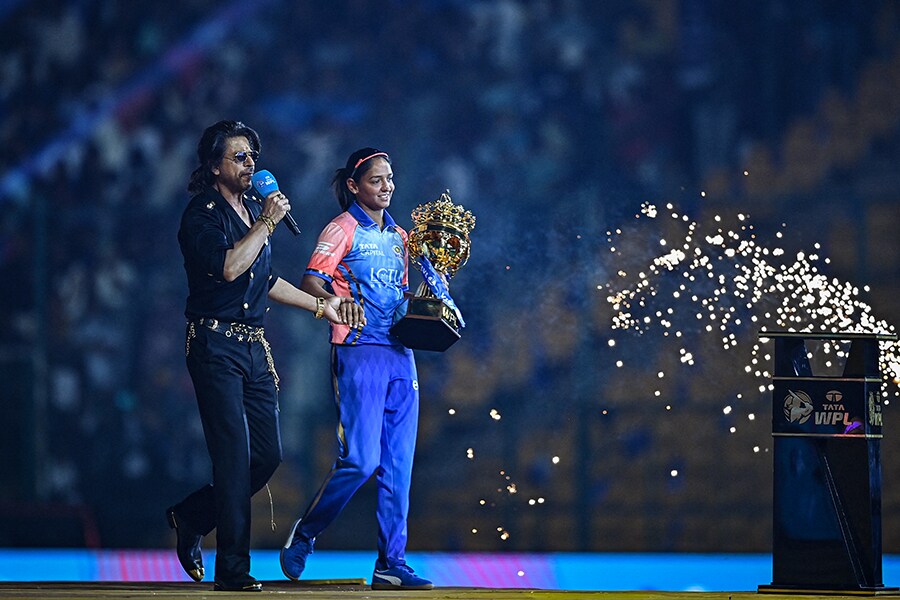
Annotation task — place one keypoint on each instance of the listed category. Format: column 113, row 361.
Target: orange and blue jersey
column 366, row 263
column 376, row 388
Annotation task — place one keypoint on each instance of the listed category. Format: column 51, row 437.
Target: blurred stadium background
column 552, row 120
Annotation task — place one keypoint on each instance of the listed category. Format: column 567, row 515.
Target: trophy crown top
column 441, row 233
column 443, row 210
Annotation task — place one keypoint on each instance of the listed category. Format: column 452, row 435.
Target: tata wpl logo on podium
column 819, row 410
column 833, row 412
column 799, row 407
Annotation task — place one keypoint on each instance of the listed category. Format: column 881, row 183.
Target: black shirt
column 209, row 228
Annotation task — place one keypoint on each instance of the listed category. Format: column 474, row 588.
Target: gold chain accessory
column 269, row 222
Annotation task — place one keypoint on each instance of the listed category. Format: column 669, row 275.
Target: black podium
column 827, row 467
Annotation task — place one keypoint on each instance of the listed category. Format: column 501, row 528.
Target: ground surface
column 349, row 591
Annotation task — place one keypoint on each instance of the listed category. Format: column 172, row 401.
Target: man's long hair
column 211, row 150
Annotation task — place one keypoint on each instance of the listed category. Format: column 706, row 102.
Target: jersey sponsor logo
column 386, row 277
column 324, row 248
column 369, row 249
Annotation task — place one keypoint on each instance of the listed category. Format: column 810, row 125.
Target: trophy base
column 429, row 324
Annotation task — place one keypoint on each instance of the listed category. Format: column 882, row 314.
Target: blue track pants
column 377, row 396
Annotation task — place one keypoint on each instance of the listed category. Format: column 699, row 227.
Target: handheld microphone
column 264, row 183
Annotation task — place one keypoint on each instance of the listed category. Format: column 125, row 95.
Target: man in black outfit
column 224, row 237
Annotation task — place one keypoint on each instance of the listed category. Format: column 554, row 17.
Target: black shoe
column 187, row 547
column 245, row 583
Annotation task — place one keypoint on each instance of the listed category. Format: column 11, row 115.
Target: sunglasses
column 241, row 157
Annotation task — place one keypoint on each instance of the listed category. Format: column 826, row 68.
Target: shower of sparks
column 725, row 281
column 510, row 485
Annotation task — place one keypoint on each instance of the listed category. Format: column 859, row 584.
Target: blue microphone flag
column 264, row 182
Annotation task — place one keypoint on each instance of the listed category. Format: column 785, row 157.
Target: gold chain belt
column 241, row 333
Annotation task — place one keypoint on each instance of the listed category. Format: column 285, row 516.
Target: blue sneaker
column 400, row 577
column 293, row 555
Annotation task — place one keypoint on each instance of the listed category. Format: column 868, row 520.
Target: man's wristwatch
column 320, row 307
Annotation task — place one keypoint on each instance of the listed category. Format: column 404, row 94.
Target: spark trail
column 726, row 282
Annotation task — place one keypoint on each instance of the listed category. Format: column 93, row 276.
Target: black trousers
column 239, row 411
